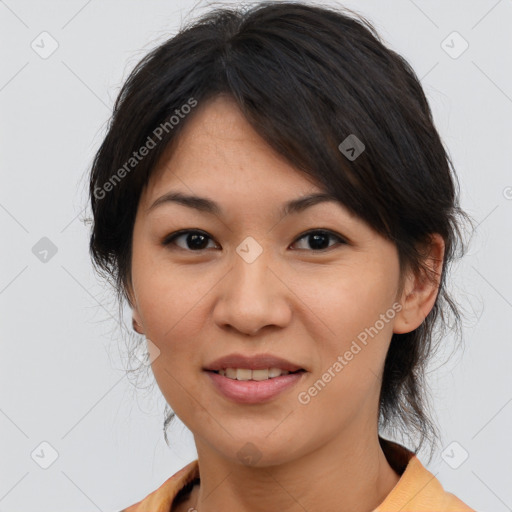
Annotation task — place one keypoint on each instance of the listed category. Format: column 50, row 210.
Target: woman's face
column 255, row 284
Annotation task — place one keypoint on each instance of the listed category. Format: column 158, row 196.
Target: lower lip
column 254, row 391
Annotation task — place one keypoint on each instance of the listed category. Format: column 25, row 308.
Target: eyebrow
column 206, row 205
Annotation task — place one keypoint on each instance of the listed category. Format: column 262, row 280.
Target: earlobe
column 136, row 318
column 420, row 289
column 136, row 323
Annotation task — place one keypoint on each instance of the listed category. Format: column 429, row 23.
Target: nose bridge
column 251, row 268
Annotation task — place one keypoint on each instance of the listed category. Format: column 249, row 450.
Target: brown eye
column 318, row 240
column 193, row 240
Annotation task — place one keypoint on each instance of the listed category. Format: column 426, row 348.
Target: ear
column 420, row 289
column 137, row 324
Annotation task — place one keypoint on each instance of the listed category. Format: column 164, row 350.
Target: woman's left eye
column 195, row 240
column 317, row 239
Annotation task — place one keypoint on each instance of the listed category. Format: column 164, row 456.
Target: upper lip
column 256, row 362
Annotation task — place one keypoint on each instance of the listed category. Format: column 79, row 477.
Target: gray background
column 61, row 370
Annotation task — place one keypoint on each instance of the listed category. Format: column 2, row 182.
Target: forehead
column 219, row 151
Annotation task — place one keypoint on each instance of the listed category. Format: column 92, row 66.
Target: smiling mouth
column 249, row 386
column 245, row 374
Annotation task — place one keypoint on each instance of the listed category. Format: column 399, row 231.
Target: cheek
column 169, row 302
column 358, row 310
column 168, row 296
column 172, row 310
column 172, row 313
column 353, row 299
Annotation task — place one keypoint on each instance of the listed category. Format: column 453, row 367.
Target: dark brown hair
column 305, row 77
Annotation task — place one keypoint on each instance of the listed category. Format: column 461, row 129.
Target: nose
column 253, row 296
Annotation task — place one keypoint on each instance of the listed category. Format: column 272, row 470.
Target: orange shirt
column 417, row 490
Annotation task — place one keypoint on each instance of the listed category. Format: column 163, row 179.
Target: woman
column 235, row 148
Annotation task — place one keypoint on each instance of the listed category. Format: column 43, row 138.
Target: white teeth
column 243, row 374
column 259, row 374
column 247, row 374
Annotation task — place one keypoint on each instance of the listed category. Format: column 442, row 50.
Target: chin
column 260, row 451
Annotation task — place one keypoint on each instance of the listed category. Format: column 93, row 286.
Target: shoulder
column 161, row 499
column 430, row 494
column 417, row 490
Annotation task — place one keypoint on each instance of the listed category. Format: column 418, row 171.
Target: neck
column 350, row 473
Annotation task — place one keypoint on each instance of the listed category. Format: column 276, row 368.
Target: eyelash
column 169, row 239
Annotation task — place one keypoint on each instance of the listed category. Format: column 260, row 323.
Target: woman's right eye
column 193, row 240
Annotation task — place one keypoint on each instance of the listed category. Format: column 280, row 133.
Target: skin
column 297, row 302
